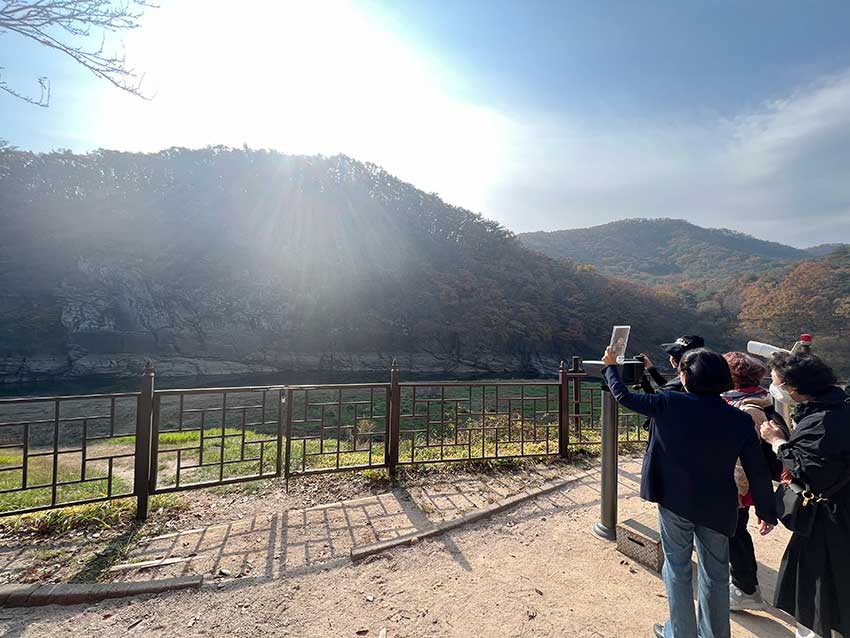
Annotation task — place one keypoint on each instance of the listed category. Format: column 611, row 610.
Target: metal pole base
column 605, row 533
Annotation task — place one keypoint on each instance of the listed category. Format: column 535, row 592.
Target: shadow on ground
column 277, row 544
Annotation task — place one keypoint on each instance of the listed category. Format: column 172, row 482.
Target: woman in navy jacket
column 689, row 467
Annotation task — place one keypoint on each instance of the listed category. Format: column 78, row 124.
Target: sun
column 305, row 78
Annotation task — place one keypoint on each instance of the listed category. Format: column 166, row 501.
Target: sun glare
column 305, row 77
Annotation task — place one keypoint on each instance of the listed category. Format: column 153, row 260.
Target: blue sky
column 539, row 114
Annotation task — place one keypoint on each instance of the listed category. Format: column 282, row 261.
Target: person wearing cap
column 675, row 351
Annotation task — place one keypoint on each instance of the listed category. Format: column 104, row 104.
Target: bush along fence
column 69, row 450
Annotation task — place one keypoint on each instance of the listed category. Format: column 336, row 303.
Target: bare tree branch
column 42, row 100
column 65, row 26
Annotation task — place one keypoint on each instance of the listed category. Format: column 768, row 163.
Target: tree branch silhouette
column 67, row 26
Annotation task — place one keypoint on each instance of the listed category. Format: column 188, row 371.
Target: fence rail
column 69, row 450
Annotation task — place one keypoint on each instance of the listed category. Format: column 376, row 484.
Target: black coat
column 664, row 385
column 674, row 384
column 690, row 459
column 814, row 578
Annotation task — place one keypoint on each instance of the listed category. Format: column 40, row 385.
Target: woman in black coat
column 814, row 578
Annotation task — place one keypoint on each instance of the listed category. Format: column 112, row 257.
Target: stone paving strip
column 72, row 594
column 359, row 553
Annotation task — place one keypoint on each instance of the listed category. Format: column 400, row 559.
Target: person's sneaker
column 658, row 630
column 739, row 601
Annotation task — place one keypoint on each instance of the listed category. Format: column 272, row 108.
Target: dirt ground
column 532, row 571
column 79, row 555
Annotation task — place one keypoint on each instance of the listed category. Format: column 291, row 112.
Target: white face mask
column 779, row 393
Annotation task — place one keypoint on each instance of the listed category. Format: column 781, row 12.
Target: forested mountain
column 664, row 250
column 223, row 260
column 812, row 297
column 747, row 287
column 822, row 250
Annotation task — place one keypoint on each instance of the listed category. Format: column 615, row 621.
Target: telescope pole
column 606, row 528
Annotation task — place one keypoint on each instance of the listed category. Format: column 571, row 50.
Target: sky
column 540, row 114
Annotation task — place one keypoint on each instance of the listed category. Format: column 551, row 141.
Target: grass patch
column 488, row 449
column 40, row 472
column 165, row 438
column 378, row 477
column 92, row 516
column 220, row 455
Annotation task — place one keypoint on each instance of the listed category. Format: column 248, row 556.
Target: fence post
column 153, row 469
column 393, row 430
column 287, row 433
column 563, row 412
column 144, row 414
column 606, row 528
column 576, row 370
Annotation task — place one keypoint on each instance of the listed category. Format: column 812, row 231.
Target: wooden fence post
column 393, row 429
column 144, row 416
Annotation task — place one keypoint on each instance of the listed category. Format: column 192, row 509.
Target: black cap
column 682, row 345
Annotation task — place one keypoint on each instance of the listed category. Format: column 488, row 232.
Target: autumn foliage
column 813, row 297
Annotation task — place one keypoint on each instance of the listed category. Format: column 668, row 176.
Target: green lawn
column 40, row 472
column 56, row 521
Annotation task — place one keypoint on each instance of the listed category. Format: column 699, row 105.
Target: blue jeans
column 677, row 541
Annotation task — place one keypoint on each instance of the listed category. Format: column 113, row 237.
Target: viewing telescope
column 631, row 370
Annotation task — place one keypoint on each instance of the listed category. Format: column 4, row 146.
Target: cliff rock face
column 225, row 261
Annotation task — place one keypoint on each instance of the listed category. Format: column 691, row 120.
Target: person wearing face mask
column 689, row 471
column 814, row 577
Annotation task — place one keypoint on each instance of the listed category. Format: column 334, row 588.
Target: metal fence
column 214, row 436
column 65, row 450
column 59, row 451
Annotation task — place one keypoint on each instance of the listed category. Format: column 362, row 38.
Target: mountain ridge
column 663, row 249
column 219, row 258
column 822, row 250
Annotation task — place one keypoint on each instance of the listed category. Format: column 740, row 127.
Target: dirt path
column 533, row 571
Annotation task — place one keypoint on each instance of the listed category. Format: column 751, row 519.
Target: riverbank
column 122, row 372
column 96, row 384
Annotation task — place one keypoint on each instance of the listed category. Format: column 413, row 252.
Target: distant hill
column 223, row 260
column 812, row 297
column 822, row 250
column 664, row 250
column 746, row 287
